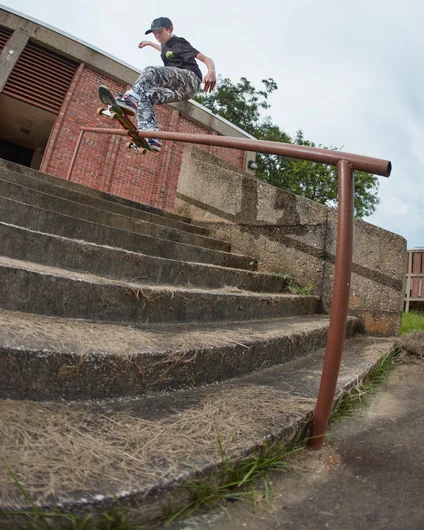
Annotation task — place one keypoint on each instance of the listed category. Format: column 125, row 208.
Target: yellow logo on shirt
column 169, row 55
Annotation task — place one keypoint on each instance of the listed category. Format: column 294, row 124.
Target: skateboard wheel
column 114, row 115
column 144, row 151
column 129, row 145
column 100, row 110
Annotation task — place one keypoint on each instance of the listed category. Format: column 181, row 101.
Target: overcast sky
column 350, row 74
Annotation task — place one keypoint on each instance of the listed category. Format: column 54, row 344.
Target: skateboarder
column 178, row 80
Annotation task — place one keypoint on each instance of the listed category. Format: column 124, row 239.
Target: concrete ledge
column 10, row 54
column 290, row 234
column 204, row 117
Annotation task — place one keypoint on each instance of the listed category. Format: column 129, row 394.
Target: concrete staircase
column 129, row 339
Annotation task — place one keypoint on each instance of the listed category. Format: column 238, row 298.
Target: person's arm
column 145, row 43
column 209, row 81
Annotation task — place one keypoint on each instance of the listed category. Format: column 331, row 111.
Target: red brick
column 104, row 163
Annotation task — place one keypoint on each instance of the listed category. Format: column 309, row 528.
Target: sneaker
column 155, row 145
column 127, row 103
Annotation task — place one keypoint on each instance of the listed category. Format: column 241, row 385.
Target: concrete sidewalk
column 369, row 477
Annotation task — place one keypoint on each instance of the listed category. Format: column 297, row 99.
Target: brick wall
column 104, row 163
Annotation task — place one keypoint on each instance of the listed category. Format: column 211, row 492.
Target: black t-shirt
column 179, row 53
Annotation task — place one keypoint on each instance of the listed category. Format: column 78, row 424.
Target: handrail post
column 339, row 307
column 74, row 158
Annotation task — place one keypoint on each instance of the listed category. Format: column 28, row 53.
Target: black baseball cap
column 159, row 23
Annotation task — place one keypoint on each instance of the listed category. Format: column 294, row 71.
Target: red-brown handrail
column 304, row 152
column 346, row 163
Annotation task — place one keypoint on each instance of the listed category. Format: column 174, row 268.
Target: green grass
column 349, row 401
column 302, row 289
column 36, row 519
column 244, row 480
column 293, row 286
column 412, row 320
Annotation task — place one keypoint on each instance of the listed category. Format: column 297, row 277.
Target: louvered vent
column 41, row 78
column 5, row 33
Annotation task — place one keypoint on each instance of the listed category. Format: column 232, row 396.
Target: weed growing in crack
column 293, row 286
column 245, row 479
column 347, row 402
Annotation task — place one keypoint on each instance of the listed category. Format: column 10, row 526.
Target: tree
column 241, row 104
column 315, row 181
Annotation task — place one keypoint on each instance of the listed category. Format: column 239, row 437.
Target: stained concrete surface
column 370, row 476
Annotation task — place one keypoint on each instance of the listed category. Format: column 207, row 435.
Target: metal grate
column 5, row 33
column 41, row 78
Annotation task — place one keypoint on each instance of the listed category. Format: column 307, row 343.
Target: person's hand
column 209, row 81
column 144, row 43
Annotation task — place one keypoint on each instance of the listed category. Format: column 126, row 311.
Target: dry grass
column 57, row 449
column 412, row 343
column 19, row 330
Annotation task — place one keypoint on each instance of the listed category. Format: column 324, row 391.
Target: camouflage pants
column 158, row 85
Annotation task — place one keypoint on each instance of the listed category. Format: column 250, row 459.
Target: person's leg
column 130, row 100
column 159, row 85
column 164, row 85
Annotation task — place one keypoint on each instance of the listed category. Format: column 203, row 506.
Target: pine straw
column 412, row 343
column 57, row 449
column 20, row 330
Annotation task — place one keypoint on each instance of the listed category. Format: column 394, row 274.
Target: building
column 48, row 91
column 414, row 295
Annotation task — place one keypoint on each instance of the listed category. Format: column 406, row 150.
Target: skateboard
column 115, row 112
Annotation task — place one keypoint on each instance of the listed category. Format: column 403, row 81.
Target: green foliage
column 241, row 103
column 348, row 402
column 312, row 180
column 37, row 519
column 304, row 290
column 293, row 286
column 411, row 321
column 244, row 480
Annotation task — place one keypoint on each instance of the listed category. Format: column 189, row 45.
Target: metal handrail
column 346, row 163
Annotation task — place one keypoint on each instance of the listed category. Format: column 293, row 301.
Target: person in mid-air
column 178, row 80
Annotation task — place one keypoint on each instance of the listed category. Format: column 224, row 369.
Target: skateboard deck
column 114, row 111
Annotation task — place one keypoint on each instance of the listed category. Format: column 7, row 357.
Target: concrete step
column 46, row 358
column 87, row 458
column 56, row 251
column 65, row 184
column 34, row 288
column 36, row 184
column 88, row 213
column 39, row 219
